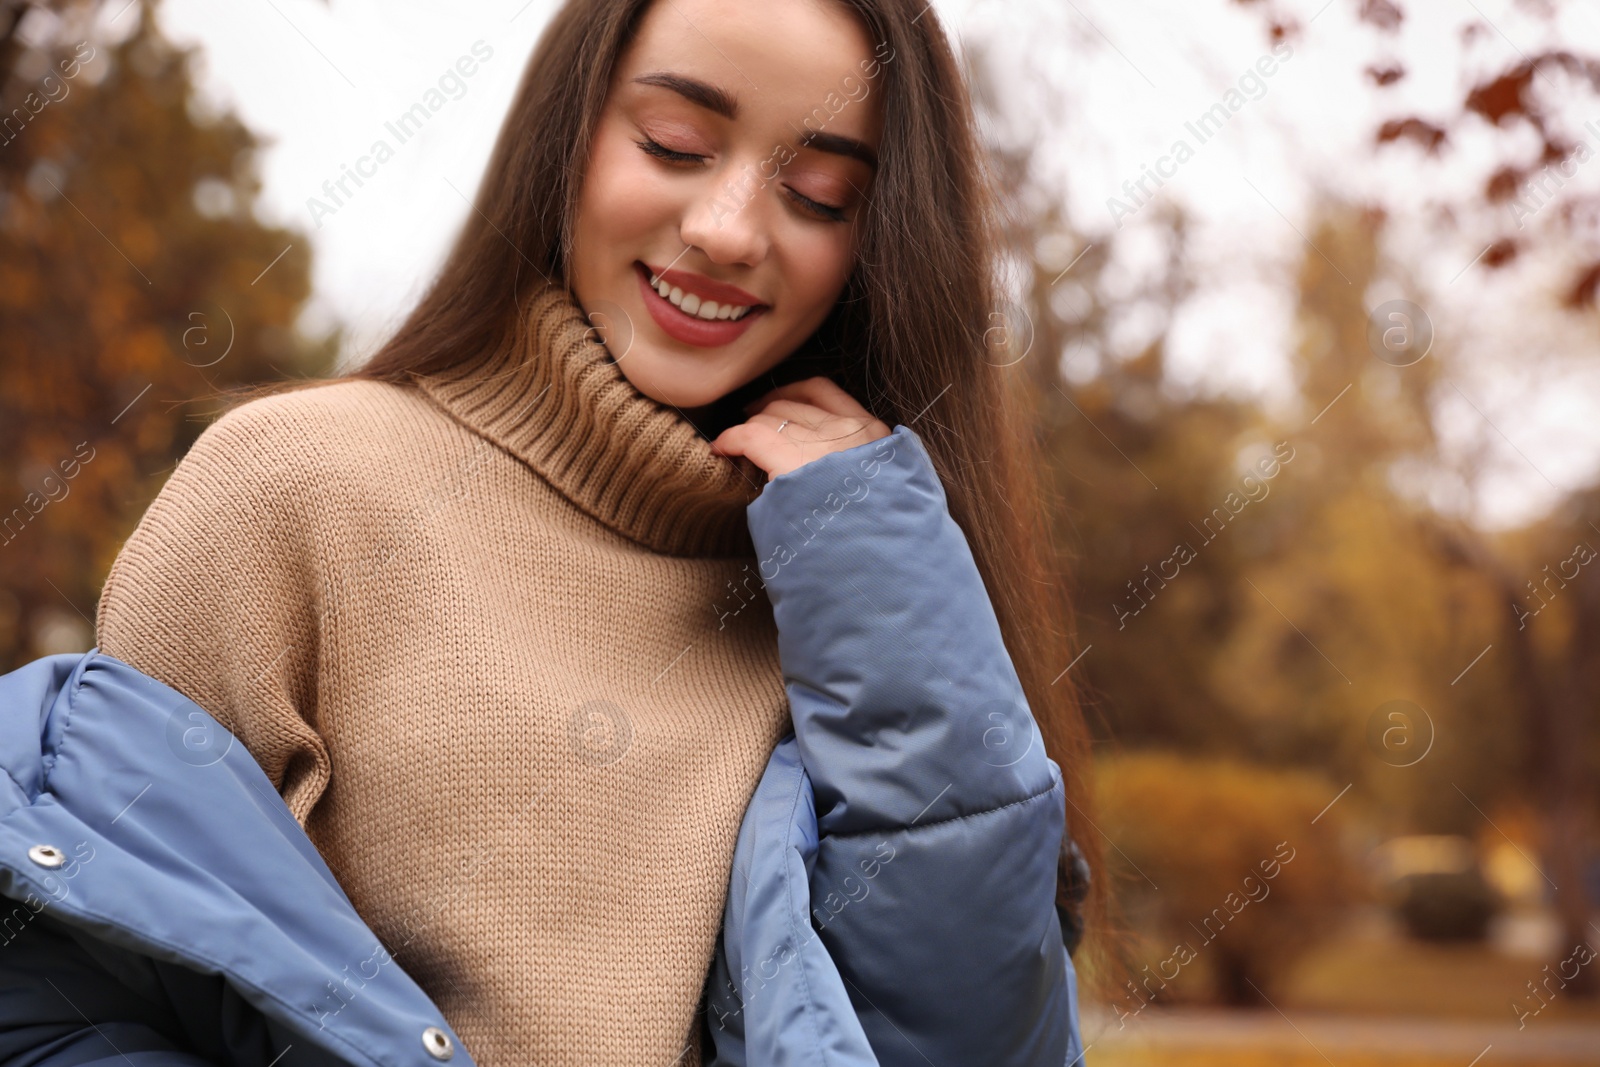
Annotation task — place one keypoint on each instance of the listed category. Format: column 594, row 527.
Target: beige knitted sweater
column 478, row 632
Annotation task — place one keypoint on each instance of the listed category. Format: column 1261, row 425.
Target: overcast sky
column 319, row 82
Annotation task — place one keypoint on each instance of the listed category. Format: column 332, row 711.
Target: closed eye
column 660, row 151
column 826, row 211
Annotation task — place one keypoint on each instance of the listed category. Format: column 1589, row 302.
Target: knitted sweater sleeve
column 214, row 593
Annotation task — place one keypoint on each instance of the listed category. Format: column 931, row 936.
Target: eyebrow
column 840, row 146
column 695, row 91
column 721, row 102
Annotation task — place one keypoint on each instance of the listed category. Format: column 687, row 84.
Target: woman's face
column 731, row 163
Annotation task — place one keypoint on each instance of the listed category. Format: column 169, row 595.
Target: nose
column 729, row 224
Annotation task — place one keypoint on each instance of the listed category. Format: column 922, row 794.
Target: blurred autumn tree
column 1311, row 592
column 1270, row 587
column 1255, row 889
column 134, row 282
column 1550, row 664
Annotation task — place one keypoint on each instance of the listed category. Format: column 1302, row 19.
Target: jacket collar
column 552, row 396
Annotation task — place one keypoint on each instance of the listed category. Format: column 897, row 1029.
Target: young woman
column 697, row 440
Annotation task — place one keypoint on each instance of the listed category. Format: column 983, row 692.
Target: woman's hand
column 817, row 417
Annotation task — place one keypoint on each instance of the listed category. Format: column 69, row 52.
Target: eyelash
column 662, row 152
column 825, row 212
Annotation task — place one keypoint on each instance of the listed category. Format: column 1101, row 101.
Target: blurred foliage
column 1313, row 592
column 1257, row 586
column 134, row 282
column 1226, row 868
column 1312, row 612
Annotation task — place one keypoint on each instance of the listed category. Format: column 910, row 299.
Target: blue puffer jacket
column 892, row 899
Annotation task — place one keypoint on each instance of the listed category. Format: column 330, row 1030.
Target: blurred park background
column 1304, row 311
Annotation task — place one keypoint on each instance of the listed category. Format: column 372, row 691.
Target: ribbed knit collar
column 554, row 398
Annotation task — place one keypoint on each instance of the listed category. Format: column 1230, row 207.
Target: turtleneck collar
column 553, row 397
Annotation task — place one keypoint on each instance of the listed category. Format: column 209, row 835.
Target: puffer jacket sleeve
column 939, row 816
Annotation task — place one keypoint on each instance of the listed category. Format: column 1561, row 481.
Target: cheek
column 820, row 261
column 622, row 195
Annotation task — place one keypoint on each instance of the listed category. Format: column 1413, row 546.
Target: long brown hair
column 913, row 337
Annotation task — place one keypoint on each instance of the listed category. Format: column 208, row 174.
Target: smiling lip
column 691, row 329
column 706, row 288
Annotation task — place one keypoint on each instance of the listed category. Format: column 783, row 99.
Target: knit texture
column 497, row 638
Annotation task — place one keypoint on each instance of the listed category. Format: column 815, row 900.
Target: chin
column 669, row 388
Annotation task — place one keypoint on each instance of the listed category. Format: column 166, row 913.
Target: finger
column 822, row 425
column 825, row 393
column 762, row 445
column 784, row 427
column 809, row 414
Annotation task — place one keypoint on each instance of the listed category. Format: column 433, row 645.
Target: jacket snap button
column 437, row 1042
column 47, row 855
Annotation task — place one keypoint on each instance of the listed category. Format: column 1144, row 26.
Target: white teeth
column 692, row 304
